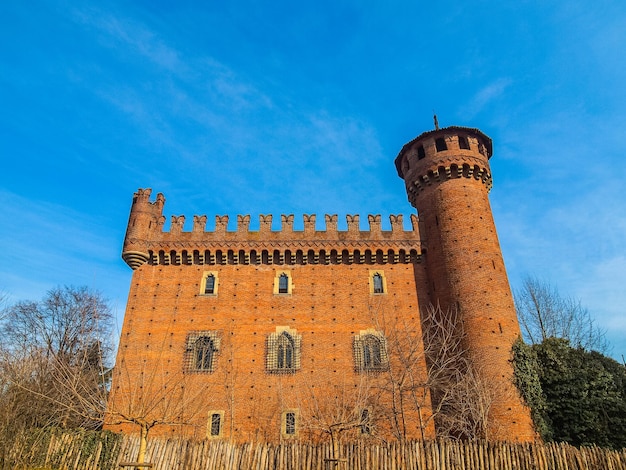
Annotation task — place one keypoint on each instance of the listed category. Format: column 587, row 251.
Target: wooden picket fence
column 70, row 451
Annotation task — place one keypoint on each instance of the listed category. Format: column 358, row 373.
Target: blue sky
column 294, row 107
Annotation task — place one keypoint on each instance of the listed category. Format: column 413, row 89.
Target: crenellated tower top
column 442, row 154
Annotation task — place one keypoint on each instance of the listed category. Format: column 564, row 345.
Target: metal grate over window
column 216, row 424
column 201, row 351
column 283, row 351
column 370, row 352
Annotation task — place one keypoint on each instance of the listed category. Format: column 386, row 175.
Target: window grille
column 216, row 422
column 370, row 352
column 290, row 423
column 283, row 351
column 201, row 351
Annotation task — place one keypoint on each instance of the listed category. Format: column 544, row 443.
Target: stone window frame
column 277, row 278
column 203, row 284
column 363, row 360
column 191, row 352
column 273, row 361
column 373, row 273
column 210, row 424
column 284, row 425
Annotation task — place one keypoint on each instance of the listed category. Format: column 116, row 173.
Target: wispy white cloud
column 485, row 96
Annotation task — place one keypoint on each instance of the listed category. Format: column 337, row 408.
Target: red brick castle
column 281, row 334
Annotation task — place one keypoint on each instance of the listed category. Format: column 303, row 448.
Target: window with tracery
column 283, row 351
column 201, row 351
column 370, row 351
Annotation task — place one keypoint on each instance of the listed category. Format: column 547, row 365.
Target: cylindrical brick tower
column 447, row 177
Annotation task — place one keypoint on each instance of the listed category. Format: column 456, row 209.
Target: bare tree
column 148, row 391
column 54, row 357
column 431, row 380
column 543, row 313
column 340, row 411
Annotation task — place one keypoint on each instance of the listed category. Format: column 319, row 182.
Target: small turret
column 145, row 219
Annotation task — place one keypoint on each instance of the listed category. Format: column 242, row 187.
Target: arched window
column 372, row 358
column 283, row 351
column 378, row 284
column 440, row 144
column 209, row 283
column 377, row 280
column 289, row 423
column 209, row 287
column 203, row 351
column 463, row 142
column 283, row 284
column 420, row 152
column 370, row 351
column 215, row 425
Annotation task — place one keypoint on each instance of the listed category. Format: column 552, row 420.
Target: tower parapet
column 447, row 177
column 147, row 242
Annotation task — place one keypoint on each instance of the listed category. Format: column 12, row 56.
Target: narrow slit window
column 209, row 287
column 290, row 423
column 463, row 142
column 216, row 424
column 420, row 152
column 378, row 284
column 283, row 284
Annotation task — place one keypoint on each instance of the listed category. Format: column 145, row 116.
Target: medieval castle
column 272, row 335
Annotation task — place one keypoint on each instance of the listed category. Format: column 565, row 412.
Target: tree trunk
column 143, row 443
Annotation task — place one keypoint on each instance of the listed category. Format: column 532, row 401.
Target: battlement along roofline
column 149, row 216
column 445, row 130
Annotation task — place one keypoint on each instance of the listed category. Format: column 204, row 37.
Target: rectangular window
column 290, row 423
column 216, row 424
column 209, row 283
